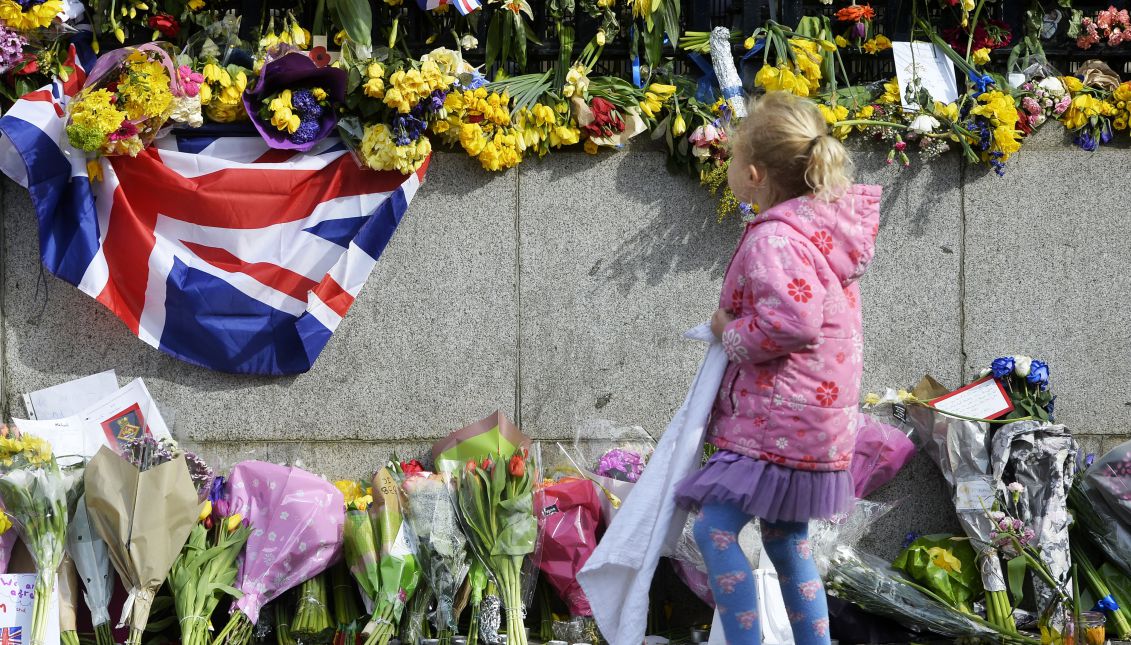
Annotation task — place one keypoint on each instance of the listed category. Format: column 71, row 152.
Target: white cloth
column 617, row 577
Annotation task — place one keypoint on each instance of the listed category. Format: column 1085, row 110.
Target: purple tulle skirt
column 768, row 491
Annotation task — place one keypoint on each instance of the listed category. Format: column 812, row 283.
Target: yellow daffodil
column 94, row 171
column 196, row 5
column 319, row 94
column 891, row 92
column 362, row 503
column 349, row 488
column 1072, row 84
column 679, row 125
column 872, row 399
column 590, row 146
column 944, row 560
column 981, row 56
column 948, row 111
column 841, row 42
column 749, row 43
column 5, row 523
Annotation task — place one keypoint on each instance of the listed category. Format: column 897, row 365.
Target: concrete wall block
column 1046, row 276
column 618, row 259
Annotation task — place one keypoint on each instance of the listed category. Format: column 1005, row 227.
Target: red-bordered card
column 985, row 398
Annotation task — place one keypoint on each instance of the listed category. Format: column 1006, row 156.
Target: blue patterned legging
column 732, row 581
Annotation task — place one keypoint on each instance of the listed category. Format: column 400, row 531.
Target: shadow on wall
column 683, row 234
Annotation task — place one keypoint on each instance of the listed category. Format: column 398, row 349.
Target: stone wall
column 558, row 291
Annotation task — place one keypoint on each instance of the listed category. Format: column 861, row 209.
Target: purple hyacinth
column 306, row 105
column 27, row 4
column 307, row 131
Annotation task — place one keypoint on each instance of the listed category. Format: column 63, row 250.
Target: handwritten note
column 984, row 399
column 17, row 598
column 924, row 66
column 973, row 495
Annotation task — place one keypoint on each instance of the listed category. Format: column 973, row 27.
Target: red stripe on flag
column 44, row 96
column 77, row 77
column 336, row 298
column 293, row 284
column 275, row 156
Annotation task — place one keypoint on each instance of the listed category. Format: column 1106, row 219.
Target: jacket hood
column 844, row 230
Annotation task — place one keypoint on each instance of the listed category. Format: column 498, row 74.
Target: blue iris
column 407, row 128
column 1086, row 141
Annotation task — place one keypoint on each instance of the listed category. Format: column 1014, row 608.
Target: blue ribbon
column 1107, row 603
column 758, row 46
column 705, row 91
column 635, row 60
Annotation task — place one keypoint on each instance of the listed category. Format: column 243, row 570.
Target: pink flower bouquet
column 297, row 521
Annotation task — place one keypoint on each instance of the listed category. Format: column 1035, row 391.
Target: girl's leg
column 732, row 581
column 787, row 544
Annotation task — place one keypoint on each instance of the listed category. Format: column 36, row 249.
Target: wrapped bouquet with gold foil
column 35, row 499
column 129, row 96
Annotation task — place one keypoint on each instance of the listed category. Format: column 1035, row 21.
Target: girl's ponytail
column 828, row 171
column 787, row 137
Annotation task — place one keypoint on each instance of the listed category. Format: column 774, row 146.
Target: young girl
column 789, row 319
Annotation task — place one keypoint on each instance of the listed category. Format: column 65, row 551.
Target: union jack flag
column 11, row 636
column 214, row 249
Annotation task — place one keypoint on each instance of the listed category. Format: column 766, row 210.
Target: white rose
column 469, row 42
column 985, row 372
column 1022, row 365
column 924, row 124
column 1053, row 86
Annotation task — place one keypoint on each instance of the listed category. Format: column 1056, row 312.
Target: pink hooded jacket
column 791, row 390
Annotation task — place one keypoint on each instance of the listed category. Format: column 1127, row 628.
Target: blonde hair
column 786, row 137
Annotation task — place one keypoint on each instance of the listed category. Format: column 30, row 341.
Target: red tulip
column 166, row 24
column 517, row 466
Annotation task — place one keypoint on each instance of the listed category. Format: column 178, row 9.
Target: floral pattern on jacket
column 792, row 387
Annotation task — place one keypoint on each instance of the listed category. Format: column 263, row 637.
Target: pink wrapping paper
column 296, row 519
column 881, row 452
column 569, row 517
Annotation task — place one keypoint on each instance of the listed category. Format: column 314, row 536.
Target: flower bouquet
column 34, row 496
column 294, row 104
column 961, row 450
column 128, row 97
column 206, row 568
column 399, row 572
column 443, row 554
column 493, row 435
column 143, row 504
column 391, row 104
column 947, row 566
column 92, row 561
column 7, row 538
column 1101, row 504
column 569, row 513
column 495, row 499
column 297, row 523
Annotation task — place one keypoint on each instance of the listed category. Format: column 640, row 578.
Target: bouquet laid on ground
column 92, row 561
column 399, row 571
column 128, row 97
column 569, row 513
column 443, row 554
column 294, row 105
column 947, row 566
column 143, row 505
column 34, row 496
column 203, row 573
column 296, row 520
column 495, row 498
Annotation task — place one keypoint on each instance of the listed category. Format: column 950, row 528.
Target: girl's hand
column 719, row 321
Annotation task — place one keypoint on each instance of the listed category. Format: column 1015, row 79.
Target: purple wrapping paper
column 295, row 71
column 296, row 519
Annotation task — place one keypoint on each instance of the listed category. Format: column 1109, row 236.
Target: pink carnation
column 1030, row 105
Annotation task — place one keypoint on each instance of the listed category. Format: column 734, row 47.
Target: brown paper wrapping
column 68, row 595
column 144, row 518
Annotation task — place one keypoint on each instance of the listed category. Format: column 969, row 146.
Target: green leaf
column 653, row 46
column 494, row 37
column 356, row 17
column 519, row 31
column 1015, row 570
